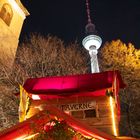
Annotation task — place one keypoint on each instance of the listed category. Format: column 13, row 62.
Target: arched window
column 6, row 13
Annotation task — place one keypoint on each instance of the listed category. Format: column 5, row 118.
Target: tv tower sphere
column 92, row 42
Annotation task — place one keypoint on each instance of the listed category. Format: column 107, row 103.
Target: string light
column 113, row 116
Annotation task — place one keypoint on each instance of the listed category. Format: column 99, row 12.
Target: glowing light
column 35, row 97
column 26, row 137
column 40, row 107
column 113, row 116
column 67, row 112
column 17, row 8
column 20, row 138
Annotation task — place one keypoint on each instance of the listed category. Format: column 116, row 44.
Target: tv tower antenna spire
column 88, row 11
column 92, row 41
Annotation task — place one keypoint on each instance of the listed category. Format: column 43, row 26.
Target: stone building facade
column 12, row 16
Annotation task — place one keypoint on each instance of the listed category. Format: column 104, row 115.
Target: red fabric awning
column 72, row 84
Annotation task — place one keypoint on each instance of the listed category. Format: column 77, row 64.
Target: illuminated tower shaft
column 92, row 42
column 94, row 61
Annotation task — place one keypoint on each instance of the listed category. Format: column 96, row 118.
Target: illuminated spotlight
column 35, row 97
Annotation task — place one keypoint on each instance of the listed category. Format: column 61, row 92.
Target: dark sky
column 114, row 19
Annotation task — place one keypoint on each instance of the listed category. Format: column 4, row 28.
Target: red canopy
column 73, row 84
column 26, row 128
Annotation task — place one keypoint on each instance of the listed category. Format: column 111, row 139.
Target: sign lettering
column 77, row 106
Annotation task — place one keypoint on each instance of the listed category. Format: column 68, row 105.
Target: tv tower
column 92, row 41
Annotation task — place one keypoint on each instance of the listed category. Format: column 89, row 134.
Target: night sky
column 114, row 19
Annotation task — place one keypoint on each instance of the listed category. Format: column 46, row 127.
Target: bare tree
column 49, row 56
column 38, row 57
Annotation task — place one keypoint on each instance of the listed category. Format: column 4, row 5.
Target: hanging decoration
column 57, row 129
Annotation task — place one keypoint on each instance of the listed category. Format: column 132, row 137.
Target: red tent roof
column 24, row 129
column 73, row 83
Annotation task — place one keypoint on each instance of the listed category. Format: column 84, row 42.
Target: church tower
column 12, row 16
